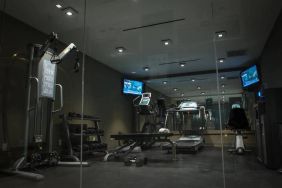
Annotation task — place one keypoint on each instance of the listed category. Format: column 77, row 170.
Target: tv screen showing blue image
column 250, row 76
column 132, row 87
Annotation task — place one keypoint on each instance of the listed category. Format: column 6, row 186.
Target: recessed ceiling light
column 182, row 94
column 182, row 64
column 15, row 55
column 198, row 87
column 146, row 69
column 120, row 49
column 220, row 34
column 202, row 93
column 166, row 42
column 59, row 6
column 222, row 77
column 175, row 89
column 164, row 82
column 133, row 72
column 222, row 85
column 223, row 92
column 193, row 80
column 221, row 60
column 69, row 11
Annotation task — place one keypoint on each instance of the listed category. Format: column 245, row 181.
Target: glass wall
column 242, row 102
column 135, row 93
column 170, row 49
column 41, row 92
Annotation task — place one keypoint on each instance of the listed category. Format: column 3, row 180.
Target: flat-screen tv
column 250, row 76
column 132, row 87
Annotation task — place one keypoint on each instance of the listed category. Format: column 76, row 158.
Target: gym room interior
column 140, row 93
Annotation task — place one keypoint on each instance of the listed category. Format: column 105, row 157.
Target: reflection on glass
column 244, row 107
column 40, row 84
column 109, row 93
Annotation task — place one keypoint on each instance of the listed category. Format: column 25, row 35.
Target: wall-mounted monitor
column 133, row 87
column 250, row 76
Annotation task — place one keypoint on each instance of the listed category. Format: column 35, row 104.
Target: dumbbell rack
column 74, row 135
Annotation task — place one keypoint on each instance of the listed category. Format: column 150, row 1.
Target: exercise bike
column 238, row 122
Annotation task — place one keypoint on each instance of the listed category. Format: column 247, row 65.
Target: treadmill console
column 188, row 105
column 145, row 99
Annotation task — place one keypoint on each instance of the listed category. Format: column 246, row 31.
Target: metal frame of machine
column 45, row 89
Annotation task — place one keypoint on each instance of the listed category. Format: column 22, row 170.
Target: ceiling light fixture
column 221, row 60
column 182, row 64
column 59, row 6
column 164, row 82
column 222, row 85
column 193, row 80
column 166, row 42
column 175, row 89
column 182, row 94
column 133, row 72
column 202, row 93
column 223, row 92
column 222, row 77
column 69, row 11
column 198, row 87
column 120, row 49
column 220, row 34
column 146, row 69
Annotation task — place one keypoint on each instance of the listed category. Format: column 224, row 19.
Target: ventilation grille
column 235, row 53
column 232, row 78
column 177, row 62
column 189, row 80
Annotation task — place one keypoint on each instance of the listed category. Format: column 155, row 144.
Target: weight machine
column 45, row 81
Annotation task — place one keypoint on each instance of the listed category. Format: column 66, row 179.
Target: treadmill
column 192, row 140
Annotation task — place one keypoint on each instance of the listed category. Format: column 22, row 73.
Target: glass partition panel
column 151, row 86
column 41, row 92
column 244, row 51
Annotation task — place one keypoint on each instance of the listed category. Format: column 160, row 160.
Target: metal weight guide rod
column 45, row 89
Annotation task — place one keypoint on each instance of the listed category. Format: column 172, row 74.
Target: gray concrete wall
column 270, row 61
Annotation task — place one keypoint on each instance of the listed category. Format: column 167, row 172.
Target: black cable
column 76, row 64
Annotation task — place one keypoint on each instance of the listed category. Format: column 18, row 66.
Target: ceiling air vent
column 189, row 80
column 232, row 77
column 176, row 62
column 235, row 53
